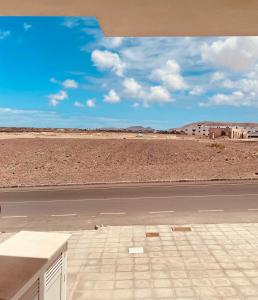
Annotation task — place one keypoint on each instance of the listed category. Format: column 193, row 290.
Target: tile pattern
column 211, row 262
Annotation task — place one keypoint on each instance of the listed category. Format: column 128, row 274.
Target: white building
column 199, row 130
column 204, row 130
column 252, row 133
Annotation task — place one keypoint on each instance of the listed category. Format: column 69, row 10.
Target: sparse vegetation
column 110, row 158
column 218, row 146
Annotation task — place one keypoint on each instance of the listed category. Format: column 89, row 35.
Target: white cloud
column 248, row 85
column 107, row 60
column 11, row 117
column 14, row 117
column 91, row 103
column 244, row 91
column 219, row 79
column 112, row 42
column 146, row 94
column 154, row 68
column 17, row 111
column 71, row 22
column 67, row 84
column 227, row 84
column 132, row 88
column 78, row 104
column 235, row 53
column 234, row 99
column 4, row 34
column 237, row 98
column 26, row 26
column 88, row 22
column 253, row 73
column 56, row 98
column 158, row 94
column 217, row 76
column 170, row 76
column 112, row 97
column 53, row 102
column 148, row 53
column 70, row 84
column 197, row 91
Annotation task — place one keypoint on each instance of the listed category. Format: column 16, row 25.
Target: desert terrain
column 85, row 135
column 45, row 159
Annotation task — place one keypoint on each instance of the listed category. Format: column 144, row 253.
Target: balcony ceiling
column 150, row 17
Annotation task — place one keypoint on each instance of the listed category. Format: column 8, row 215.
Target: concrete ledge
column 150, row 17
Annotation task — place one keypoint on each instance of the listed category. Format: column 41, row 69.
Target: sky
column 63, row 72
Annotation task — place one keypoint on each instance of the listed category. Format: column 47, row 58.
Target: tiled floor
column 210, row 262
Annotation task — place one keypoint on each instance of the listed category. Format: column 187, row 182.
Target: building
column 252, row 134
column 216, row 131
column 231, row 132
column 198, row 130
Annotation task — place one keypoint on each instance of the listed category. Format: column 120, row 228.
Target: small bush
column 218, row 146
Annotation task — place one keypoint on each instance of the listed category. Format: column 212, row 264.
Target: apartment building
column 199, row 130
column 215, row 131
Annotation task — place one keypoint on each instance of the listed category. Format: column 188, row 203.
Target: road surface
column 81, row 207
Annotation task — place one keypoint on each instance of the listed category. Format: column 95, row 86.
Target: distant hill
column 211, row 123
column 135, row 129
column 34, row 129
column 140, row 128
column 130, row 129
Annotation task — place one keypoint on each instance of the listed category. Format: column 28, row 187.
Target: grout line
column 252, row 209
column 10, row 217
column 161, row 212
column 112, row 213
column 210, row 210
column 65, row 215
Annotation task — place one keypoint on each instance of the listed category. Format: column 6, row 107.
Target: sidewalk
column 210, row 262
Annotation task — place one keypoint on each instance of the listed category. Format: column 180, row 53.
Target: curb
column 132, row 182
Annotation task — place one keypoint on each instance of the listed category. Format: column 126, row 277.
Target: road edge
column 212, row 180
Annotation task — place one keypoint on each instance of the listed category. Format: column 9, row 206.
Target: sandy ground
column 51, row 161
column 87, row 135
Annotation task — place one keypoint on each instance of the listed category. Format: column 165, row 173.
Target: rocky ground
column 51, row 161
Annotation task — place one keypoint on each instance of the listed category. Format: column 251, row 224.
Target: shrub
column 218, row 146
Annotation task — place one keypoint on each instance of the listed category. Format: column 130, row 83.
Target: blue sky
column 62, row 72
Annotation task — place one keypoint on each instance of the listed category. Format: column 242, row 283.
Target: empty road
column 81, row 207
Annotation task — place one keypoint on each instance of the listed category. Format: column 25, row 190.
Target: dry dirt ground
column 52, row 161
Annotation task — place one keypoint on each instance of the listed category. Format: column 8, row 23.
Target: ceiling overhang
column 150, row 17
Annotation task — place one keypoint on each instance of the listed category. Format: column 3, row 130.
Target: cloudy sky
column 62, row 72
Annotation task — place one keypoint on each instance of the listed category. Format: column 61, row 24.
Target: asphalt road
column 81, row 207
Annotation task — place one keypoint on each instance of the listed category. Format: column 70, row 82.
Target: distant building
column 214, row 131
column 252, row 134
column 232, row 133
column 199, row 130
